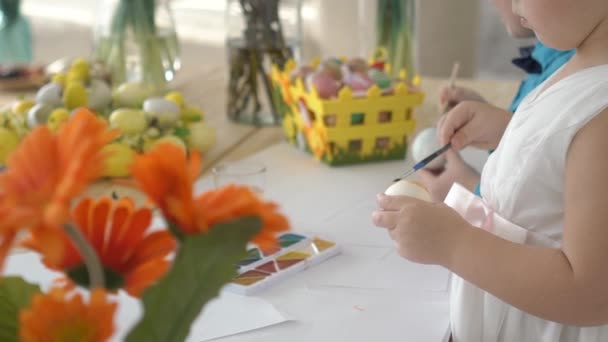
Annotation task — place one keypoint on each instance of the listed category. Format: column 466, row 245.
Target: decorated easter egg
column 409, row 188
column 131, row 94
column 50, row 94
column 332, row 67
column 129, row 121
column 382, row 79
column 326, row 85
column 165, row 112
column 358, row 65
column 202, row 137
column 360, row 82
column 425, row 144
column 99, row 94
column 38, row 115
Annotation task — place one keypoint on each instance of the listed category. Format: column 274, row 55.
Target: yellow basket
column 348, row 129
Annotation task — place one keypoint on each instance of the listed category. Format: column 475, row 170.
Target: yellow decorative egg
column 176, row 97
column 129, row 121
column 22, row 107
column 202, row 137
column 57, row 117
column 118, row 160
column 8, row 143
column 59, row 78
column 75, row 95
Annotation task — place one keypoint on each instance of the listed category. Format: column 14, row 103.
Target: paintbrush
column 424, row 162
column 451, row 83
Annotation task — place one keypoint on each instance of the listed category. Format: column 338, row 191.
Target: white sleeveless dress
column 522, row 191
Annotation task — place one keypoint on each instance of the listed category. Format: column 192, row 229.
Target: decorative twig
column 262, row 39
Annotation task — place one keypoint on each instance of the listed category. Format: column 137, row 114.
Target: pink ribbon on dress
column 479, row 214
column 471, row 207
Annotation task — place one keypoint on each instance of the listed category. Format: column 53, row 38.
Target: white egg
column 38, row 115
column 100, row 94
column 164, row 111
column 50, row 94
column 425, row 144
column 408, row 188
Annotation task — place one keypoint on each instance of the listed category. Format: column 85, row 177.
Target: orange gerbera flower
column 46, row 172
column 62, row 315
column 167, row 177
column 195, row 215
column 235, row 201
column 117, row 231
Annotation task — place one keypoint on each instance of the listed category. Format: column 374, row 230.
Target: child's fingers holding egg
column 385, row 219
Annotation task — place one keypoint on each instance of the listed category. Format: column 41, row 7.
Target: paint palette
column 296, row 252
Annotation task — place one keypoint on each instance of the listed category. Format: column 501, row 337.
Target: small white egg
column 100, row 94
column 164, row 111
column 425, row 144
column 409, row 188
column 38, row 115
column 50, row 94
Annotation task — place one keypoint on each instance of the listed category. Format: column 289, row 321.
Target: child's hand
column 473, row 123
column 456, row 170
column 425, row 233
column 452, row 96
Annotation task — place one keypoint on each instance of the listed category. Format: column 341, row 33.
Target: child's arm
column 569, row 286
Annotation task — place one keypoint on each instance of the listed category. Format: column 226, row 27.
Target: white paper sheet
column 225, row 316
column 231, row 314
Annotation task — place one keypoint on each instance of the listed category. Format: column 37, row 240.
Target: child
column 529, row 259
column 538, row 62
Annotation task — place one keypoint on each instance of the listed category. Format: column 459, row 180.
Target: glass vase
column 260, row 33
column 15, row 34
column 137, row 41
column 395, row 35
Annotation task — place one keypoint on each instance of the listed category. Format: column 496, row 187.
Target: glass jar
column 259, row 34
column 15, row 34
column 137, row 41
column 395, row 35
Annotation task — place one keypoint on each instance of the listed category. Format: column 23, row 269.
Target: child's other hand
column 473, row 123
column 456, row 171
column 424, row 232
column 452, row 96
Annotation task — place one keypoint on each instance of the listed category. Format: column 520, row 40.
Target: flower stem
column 91, row 260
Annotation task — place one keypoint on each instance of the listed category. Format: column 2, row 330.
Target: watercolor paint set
column 295, row 253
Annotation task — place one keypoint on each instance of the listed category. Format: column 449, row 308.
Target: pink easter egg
column 326, row 85
column 332, row 66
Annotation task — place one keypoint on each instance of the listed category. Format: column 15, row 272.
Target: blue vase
column 15, row 34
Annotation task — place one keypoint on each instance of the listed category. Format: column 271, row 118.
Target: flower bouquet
column 103, row 246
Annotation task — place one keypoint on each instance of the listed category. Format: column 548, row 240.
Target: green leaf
column 202, row 266
column 15, row 294
column 181, row 132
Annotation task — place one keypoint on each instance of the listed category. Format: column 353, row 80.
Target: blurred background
column 469, row 31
